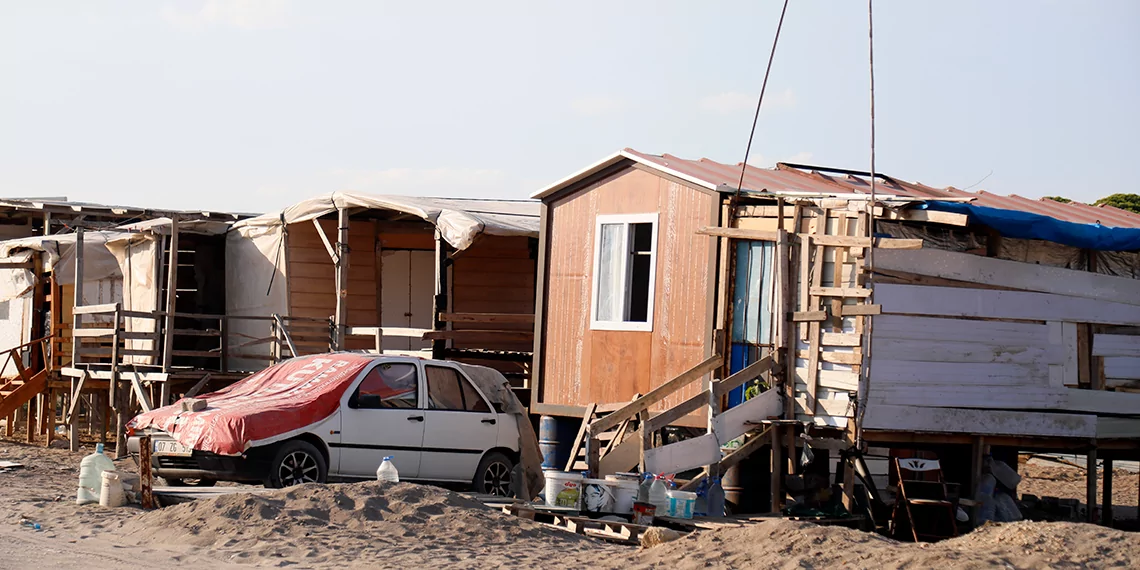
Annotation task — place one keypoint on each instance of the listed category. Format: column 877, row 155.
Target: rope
column 763, row 87
column 866, row 372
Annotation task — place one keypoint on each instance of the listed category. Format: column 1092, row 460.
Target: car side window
column 389, row 385
column 448, row 390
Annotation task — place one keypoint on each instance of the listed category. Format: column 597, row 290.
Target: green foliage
column 1130, row 202
column 1060, row 199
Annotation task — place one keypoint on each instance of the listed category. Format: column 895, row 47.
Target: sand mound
column 372, row 521
column 788, row 544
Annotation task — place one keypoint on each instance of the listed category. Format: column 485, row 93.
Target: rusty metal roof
column 803, row 180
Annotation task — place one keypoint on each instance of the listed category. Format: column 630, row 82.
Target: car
column 335, row 417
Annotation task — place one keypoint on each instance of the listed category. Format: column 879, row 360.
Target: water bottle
column 715, row 499
column 91, row 470
column 657, row 494
column 643, row 489
column 701, row 508
column 387, row 471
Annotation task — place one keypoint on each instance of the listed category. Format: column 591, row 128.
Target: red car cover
column 270, row 405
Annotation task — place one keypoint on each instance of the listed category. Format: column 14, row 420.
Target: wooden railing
column 29, row 381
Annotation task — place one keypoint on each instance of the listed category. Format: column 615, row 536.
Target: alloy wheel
column 298, row 467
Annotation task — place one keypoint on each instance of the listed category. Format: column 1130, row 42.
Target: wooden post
column 438, row 346
column 171, row 296
column 977, row 462
column 146, row 479
column 342, row 253
column 77, row 319
column 49, row 421
column 593, row 452
column 1090, row 485
column 646, row 437
column 777, row 469
column 1106, row 500
column 713, row 469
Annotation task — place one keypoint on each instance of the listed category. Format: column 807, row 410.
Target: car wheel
column 495, row 474
column 170, row 482
column 297, row 462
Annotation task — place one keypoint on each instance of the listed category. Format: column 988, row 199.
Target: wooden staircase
column 29, row 382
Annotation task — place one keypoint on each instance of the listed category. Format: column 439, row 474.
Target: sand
column 404, row 525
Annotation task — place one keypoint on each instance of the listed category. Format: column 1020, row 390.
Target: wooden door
column 407, row 289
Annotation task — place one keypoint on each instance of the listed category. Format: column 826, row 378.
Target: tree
column 1060, row 199
column 1130, row 202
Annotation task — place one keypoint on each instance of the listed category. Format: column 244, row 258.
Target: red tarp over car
column 270, row 405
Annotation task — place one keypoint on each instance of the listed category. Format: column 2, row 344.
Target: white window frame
column 625, row 220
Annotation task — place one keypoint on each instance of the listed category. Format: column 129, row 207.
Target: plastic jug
column 657, row 494
column 714, row 500
column 387, row 471
column 111, row 493
column 643, row 488
column 91, row 470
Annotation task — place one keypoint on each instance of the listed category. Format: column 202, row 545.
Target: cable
column 866, row 372
column 763, row 87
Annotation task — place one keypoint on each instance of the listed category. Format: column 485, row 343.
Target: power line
column 763, row 87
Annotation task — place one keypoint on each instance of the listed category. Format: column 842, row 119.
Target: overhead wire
column 865, row 376
column 760, row 100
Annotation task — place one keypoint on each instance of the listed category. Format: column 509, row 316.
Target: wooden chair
column 923, row 490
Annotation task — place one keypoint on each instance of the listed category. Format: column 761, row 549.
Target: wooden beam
column 1106, row 517
column 750, row 372
column 470, row 335
column 198, row 387
column 858, row 241
column 486, row 318
column 340, row 317
column 861, row 310
column 1090, row 485
column 144, row 400
column 809, row 316
column 657, row 394
column 734, row 233
column 777, row 468
column 325, row 240
column 76, row 390
column 586, row 417
column 858, row 292
column 1017, row 305
column 931, row 216
column 666, row 418
column 171, row 296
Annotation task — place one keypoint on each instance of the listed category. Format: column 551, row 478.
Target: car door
column 460, row 425
column 381, row 415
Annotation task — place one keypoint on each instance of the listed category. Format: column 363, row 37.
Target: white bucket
column 681, row 504
column 563, row 489
column 625, row 493
column 597, row 496
column 111, row 493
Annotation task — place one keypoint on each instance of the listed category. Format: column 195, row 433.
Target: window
column 389, row 385
column 625, row 260
column 448, row 390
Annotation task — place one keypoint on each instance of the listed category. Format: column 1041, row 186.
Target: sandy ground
column 405, row 525
column 1053, row 479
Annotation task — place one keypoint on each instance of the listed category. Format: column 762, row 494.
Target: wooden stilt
column 31, row 427
column 146, row 479
column 1106, row 494
column 1090, row 486
column 50, row 417
column 777, row 468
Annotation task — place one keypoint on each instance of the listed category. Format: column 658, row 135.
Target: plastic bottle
column 91, row 470
column 657, row 494
column 643, row 489
column 715, row 499
column 387, row 471
column 701, row 509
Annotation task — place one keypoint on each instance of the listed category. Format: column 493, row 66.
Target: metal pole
column 342, row 252
column 171, row 296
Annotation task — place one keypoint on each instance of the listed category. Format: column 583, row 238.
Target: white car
column 435, row 421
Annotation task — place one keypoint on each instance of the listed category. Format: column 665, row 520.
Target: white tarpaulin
column 137, row 255
column 98, row 263
column 15, row 307
column 459, row 220
column 255, row 286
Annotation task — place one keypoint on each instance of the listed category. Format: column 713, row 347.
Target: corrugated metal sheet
column 790, row 179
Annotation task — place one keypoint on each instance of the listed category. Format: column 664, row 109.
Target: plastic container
column 714, row 499
column 597, row 496
column 111, row 493
column 681, row 504
column 643, row 488
column 91, row 470
column 625, row 493
column 658, row 496
column 548, row 441
column 563, row 489
column 643, row 513
column 387, row 471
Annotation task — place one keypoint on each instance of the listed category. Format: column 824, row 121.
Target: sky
column 251, row 105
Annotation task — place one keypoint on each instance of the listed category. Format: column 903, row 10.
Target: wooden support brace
column 586, row 417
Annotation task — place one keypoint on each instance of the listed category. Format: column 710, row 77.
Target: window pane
column 444, row 391
column 640, row 272
column 392, row 385
column 472, row 400
column 610, row 289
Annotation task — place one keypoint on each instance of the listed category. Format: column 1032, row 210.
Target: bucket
column 634, row 477
column 681, row 504
column 563, row 489
column 643, row 513
column 625, row 493
column 597, row 496
column 111, row 493
column 548, row 442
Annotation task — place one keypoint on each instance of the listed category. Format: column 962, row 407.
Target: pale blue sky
column 252, row 105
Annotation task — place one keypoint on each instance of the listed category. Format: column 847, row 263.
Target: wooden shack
column 924, row 318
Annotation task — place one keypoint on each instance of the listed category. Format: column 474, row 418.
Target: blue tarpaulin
column 1024, row 225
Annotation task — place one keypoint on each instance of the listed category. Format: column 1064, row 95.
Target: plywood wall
column 495, row 275
column 581, row 365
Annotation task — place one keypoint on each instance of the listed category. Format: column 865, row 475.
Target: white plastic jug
column 111, row 494
column 657, row 494
column 91, row 470
column 387, row 471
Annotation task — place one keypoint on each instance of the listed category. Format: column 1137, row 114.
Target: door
column 407, row 289
column 382, row 417
column 461, row 426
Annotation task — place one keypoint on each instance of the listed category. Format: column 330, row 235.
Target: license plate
column 171, row 447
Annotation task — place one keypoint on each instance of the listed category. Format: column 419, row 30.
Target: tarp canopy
column 458, row 220
column 1025, row 225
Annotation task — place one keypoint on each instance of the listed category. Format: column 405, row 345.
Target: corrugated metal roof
column 788, row 179
column 61, row 205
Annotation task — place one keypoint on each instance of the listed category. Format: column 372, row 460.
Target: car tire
column 171, row 482
column 297, row 462
column 495, row 475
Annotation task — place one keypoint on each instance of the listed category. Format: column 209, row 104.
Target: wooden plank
column 931, row 216
column 486, row 318
column 144, row 400
column 840, row 339
column 94, row 309
column 739, row 420
column 830, row 356
column 479, row 335
column 325, row 240
column 809, row 316
column 1116, row 345
column 657, row 394
column 1122, row 367
column 955, row 302
column 861, row 241
column 831, row 379
column 683, row 455
column 840, row 408
column 860, row 310
column 750, row 372
column 666, row 418
column 1025, row 276
column 980, row 422
column 951, row 329
column 586, row 417
column 623, row 457
column 93, row 333
column 922, row 350
column 734, row 233
column 967, row 374
column 857, row 292
column 741, row 453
